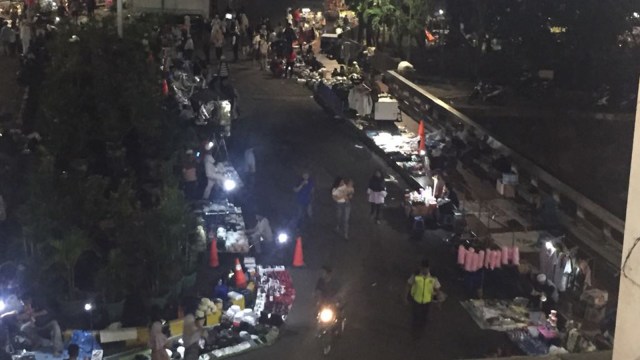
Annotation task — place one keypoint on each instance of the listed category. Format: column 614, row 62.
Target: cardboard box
column 506, row 190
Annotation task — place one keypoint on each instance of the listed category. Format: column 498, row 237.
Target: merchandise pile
column 250, row 317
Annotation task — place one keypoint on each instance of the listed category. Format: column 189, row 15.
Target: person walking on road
column 377, row 191
column 304, row 196
column 420, row 291
column 217, row 40
column 342, row 192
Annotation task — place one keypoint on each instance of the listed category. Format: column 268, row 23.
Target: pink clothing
column 480, row 261
column 468, row 260
column 461, row 253
column 505, row 255
column 516, row 255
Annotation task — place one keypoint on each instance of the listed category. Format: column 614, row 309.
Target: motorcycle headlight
column 283, row 238
column 229, row 185
column 326, row 315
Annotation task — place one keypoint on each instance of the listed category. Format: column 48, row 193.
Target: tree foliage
column 103, row 178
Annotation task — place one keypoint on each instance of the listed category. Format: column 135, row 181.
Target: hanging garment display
column 360, row 100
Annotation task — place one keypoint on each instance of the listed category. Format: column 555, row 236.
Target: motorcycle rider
column 327, row 290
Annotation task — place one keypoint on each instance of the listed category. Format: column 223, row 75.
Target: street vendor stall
column 251, row 314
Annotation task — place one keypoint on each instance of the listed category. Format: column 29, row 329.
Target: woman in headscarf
column 158, row 342
column 192, row 333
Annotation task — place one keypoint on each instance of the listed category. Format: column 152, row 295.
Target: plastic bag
column 87, row 344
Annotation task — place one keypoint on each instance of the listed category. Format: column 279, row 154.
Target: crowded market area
column 538, row 292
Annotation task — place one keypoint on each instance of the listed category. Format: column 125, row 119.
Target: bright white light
column 422, row 153
column 228, row 16
column 229, row 185
column 2, row 305
column 549, row 245
column 326, row 315
column 180, row 351
column 636, row 15
column 543, row 297
column 441, row 12
column 88, row 307
column 306, row 10
column 209, row 145
column 283, row 238
column 57, row 20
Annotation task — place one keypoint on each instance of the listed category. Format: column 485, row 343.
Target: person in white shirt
column 260, row 233
column 188, row 48
column 213, row 175
column 342, row 193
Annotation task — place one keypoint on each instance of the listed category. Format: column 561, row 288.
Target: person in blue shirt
column 304, row 196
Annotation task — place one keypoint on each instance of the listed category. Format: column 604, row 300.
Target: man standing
column 261, row 232
column 304, row 195
column 33, row 329
column 420, row 290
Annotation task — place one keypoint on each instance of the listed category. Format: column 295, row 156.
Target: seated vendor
column 260, row 232
column 544, row 293
column 42, row 332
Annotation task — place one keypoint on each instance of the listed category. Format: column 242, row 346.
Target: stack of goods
column 230, row 237
column 220, row 208
column 275, row 291
column 226, row 227
column 527, row 342
column 499, row 315
column 205, row 308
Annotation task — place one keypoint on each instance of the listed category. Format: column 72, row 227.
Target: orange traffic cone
column 421, row 128
column 165, row 88
column 298, row 258
column 241, row 279
column 422, row 148
column 213, row 254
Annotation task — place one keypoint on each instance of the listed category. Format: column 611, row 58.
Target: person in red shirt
column 291, row 60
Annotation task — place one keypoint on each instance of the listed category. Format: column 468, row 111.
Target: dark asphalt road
column 290, row 132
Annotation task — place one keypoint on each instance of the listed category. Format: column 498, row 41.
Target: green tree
column 410, row 22
column 66, row 252
column 380, row 17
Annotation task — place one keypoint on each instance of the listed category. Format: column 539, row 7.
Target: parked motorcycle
column 487, row 93
column 331, row 324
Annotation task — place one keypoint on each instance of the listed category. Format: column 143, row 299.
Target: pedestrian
column 255, row 46
column 25, row 36
column 158, row 342
column 250, row 166
column 235, row 44
column 342, row 192
column 211, row 173
column 304, row 196
column 193, row 332
column 217, row 40
column 189, row 176
column 6, row 34
column 206, row 44
column 264, row 52
column 188, row 48
column 91, row 7
column 377, row 191
column 420, row 291
column 260, row 233
column 291, row 61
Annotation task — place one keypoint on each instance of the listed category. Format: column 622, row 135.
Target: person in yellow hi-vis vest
column 421, row 291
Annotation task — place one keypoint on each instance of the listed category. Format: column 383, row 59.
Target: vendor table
column 225, row 224
column 499, row 315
